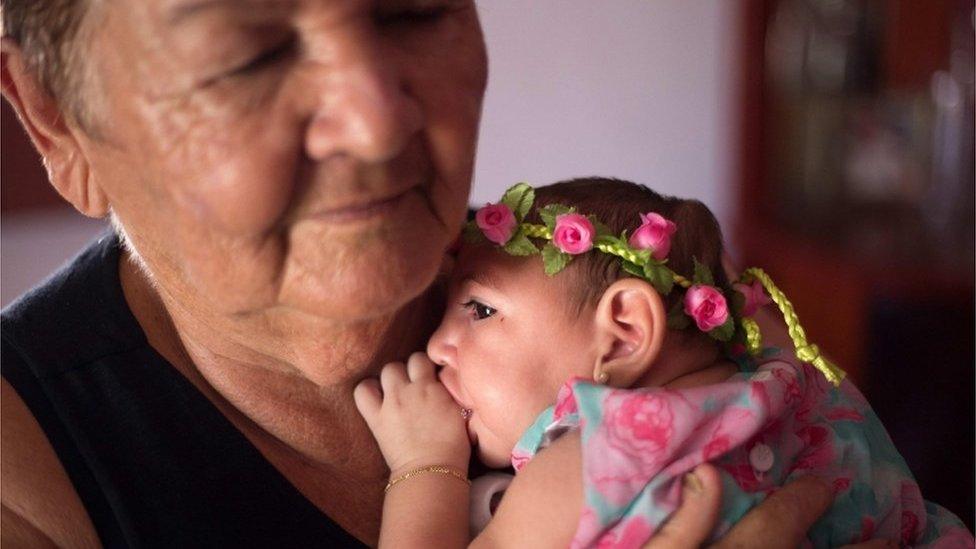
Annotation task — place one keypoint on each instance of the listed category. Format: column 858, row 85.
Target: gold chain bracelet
column 441, row 469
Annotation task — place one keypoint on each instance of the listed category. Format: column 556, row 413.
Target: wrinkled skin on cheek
column 224, row 183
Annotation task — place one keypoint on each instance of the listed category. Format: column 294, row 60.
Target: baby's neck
column 688, row 365
column 716, row 373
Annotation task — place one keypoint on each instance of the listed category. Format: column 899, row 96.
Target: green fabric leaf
column 725, row 331
column 599, row 227
column 519, row 198
column 549, row 212
column 703, row 275
column 520, row 244
column 660, row 277
column 738, row 302
column 554, row 259
column 472, row 233
column 629, row 267
column 645, row 256
column 677, row 319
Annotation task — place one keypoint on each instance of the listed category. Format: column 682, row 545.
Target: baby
column 610, row 368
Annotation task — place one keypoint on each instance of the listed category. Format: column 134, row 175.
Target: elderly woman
column 284, row 177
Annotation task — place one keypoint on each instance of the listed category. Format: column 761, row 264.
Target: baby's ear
column 630, row 323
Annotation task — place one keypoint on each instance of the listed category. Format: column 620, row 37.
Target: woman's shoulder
column 40, row 504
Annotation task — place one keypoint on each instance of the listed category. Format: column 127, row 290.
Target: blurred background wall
column 833, row 139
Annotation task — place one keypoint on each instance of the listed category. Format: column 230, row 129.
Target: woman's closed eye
column 267, row 58
column 479, row 310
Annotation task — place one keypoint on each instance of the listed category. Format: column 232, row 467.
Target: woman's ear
column 630, row 323
column 54, row 136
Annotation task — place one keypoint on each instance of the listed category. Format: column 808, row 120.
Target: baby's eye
column 479, row 310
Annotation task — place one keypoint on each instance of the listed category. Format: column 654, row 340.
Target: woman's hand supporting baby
column 418, row 426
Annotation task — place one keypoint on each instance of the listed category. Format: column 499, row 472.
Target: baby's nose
column 440, row 350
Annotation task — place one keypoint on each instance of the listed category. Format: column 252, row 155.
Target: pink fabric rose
column 755, row 297
column 909, row 528
column 640, row 422
column 654, row 234
column 707, row 306
column 632, row 532
column 520, row 459
column 574, row 233
column 565, row 401
column 716, row 447
column 497, row 222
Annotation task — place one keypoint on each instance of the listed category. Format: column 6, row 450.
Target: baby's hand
column 414, row 419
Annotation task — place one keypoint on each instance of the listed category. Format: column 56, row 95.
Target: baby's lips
column 449, row 382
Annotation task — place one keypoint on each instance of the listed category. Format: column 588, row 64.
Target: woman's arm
column 40, row 507
column 541, row 507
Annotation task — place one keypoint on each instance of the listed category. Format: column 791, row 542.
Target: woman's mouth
column 361, row 211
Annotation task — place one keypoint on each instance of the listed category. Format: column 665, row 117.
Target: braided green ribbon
column 805, row 351
column 753, row 336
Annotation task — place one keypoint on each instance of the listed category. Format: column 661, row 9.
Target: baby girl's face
column 507, row 342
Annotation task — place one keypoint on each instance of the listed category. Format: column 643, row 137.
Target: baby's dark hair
column 618, row 204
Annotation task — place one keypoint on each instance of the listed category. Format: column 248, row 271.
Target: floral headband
column 644, row 254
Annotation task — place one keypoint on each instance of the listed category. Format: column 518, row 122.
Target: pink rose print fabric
column 762, row 428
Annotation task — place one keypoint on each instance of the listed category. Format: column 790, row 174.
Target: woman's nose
column 364, row 106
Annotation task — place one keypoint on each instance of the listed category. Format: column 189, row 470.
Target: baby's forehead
column 492, row 267
column 485, row 265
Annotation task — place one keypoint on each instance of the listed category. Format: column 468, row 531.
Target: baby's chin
column 494, row 458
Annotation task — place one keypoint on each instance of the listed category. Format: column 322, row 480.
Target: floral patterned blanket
column 763, row 427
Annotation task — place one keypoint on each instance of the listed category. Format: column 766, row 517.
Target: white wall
column 34, row 244
column 641, row 90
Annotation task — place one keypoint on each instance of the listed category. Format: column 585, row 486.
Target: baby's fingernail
column 693, row 484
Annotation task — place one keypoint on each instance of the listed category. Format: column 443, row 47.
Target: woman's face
column 507, row 342
column 302, row 155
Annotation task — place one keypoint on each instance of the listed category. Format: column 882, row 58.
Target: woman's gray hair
column 47, row 32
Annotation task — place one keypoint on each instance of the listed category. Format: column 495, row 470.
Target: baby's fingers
column 392, row 377
column 368, row 399
column 420, row 368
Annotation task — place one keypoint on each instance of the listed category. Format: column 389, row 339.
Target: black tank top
column 154, row 462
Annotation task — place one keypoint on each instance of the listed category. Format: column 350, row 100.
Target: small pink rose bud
column 707, row 306
column 573, row 233
column 755, row 297
column 497, row 222
column 654, row 234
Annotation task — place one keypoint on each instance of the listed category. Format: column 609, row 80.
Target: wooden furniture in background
column 889, row 300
